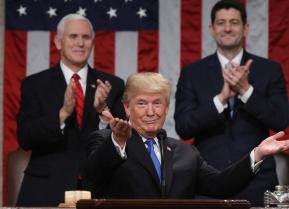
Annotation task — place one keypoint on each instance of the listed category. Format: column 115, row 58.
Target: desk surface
column 75, row 208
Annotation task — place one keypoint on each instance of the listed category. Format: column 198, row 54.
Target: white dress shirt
column 68, row 73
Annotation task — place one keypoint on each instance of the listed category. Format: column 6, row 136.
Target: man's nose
column 80, row 41
column 227, row 27
column 150, row 110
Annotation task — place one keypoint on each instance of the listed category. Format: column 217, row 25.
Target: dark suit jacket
column 57, row 158
column 135, row 177
column 220, row 139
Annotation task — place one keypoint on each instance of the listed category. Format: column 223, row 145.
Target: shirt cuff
column 102, row 123
column 255, row 166
column 62, row 126
column 220, row 107
column 120, row 151
column 247, row 95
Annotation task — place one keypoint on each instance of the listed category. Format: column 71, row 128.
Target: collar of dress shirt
column 224, row 60
column 144, row 139
column 68, row 74
column 155, row 138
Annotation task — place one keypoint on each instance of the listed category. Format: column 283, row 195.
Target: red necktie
column 79, row 100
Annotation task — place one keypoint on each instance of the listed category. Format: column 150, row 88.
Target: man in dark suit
column 228, row 101
column 53, row 123
column 125, row 162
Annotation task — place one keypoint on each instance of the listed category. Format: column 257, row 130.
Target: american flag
column 130, row 36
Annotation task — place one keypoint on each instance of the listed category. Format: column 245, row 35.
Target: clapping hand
column 101, row 95
column 69, row 102
column 237, row 78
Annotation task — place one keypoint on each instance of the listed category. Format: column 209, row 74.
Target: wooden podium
column 161, row 203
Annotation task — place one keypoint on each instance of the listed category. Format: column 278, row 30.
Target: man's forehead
column 76, row 24
column 77, row 31
column 149, row 96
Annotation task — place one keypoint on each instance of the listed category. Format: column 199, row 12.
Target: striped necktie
column 79, row 99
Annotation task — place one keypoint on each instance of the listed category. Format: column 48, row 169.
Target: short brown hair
column 228, row 4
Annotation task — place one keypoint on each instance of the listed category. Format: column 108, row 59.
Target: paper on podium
column 71, row 197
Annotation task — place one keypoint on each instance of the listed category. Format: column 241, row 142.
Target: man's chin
column 79, row 62
column 229, row 46
column 151, row 131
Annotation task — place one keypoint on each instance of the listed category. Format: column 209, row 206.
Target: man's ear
column 126, row 108
column 167, row 109
column 211, row 30
column 246, row 29
column 57, row 42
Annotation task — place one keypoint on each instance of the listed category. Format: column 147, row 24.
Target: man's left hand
column 101, row 95
column 271, row 146
column 238, row 78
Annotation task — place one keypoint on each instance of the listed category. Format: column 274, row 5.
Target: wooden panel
column 161, row 203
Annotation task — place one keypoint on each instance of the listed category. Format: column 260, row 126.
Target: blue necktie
column 231, row 66
column 231, row 105
column 150, row 148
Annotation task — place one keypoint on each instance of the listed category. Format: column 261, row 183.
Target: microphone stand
column 162, row 135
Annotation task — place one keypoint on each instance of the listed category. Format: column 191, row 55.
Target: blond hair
column 146, row 82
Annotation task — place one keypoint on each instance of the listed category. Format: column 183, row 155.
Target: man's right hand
column 69, row 102
column 121, row 129
column 238, row 77
column 226, row 93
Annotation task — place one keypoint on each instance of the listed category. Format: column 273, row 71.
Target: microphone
column 162, row 135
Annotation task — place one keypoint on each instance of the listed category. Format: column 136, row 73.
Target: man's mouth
column 150, row 122
column 228, row 36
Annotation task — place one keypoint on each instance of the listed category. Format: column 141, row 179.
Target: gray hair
column 60, row 25
column 146, row 82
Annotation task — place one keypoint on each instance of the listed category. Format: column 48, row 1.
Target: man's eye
column 141, row 104
column 73, row 36
column 235, row 22
column 220, row 23
column 86, row 37
column 159, row 104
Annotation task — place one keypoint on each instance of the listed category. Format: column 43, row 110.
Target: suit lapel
column 238, row 104
column 215, row 77
column 168, row 162
column 137, row 149
column 89, row 95
column 59, row 84
column 245, row 58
